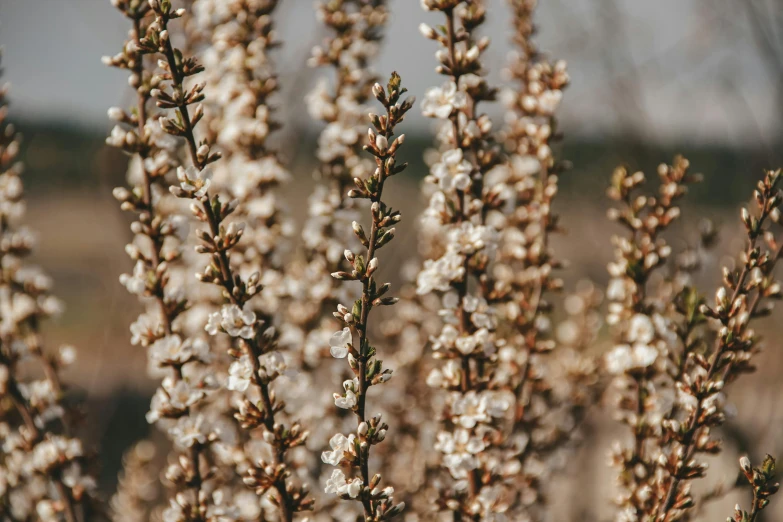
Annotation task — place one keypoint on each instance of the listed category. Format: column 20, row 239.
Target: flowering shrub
column 293, row 381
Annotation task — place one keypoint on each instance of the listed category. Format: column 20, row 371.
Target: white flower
column 619, row 359
column 548, row 101
column 470, row 409
column 144, row 329
column 73, row 477
column 340, row 445
column 173, row 513
column 644, row 355
column 189, row 431
column 219, row 510
column 452, row 171
column 137, row 283
column 45, row 508
column 239, row 374
column 274, row 364
column 624, row 358
column 460, row 449
column 524, row 166
column 170, row 350
column 213, row 323
column 117, row 137
column 181, row 394
column 448, row 375
column 349, row 400
column 339, row 342
column 438, row 274
column 439, row 102
column 641, row 329
column 468, row 238
column 339, row 486
column 194, row 181
column 616, row 290
column 235, row 321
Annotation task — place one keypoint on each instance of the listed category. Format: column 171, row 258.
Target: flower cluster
column 641, row 324
column 548, row 407
column 243, row 351
column 43, row 467
column 670, row 383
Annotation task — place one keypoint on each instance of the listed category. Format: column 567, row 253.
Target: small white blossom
column 452, row 171
column 339, row 342
column 641, row 329
column 239, row 374
column 625, row 358
column 440, row 102
column 338, row 485
column 189, row 430
column 349, row 400
column 460, row 451
column 439, row 273
column 194, row 181
column 136, row 283
column 235, row 321
column 340, row 445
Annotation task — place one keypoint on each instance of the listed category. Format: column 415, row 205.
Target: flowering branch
column 548, row 411
column 258, row 362
column 744, row 297
column 460, row 208
column 240, row 114
column 42, row 465
column 155, row 247
column 353, row 340
column 642, row 330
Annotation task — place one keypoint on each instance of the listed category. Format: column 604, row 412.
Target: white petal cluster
column 338, row 485
column 42, row 467
column 341, row 445
column 339, row 343
column 347, row 400
column 239, row 374
column 440, row 102
column 460, row 451
column 232, row 320
column 173, row 350
column 194, row 181
column 452, row 171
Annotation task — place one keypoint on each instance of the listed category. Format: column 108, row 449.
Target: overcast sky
column 668, row 70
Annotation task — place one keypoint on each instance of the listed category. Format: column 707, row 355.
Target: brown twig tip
column 762, row 481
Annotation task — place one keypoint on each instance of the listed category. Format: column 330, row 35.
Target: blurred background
column 649, row 79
